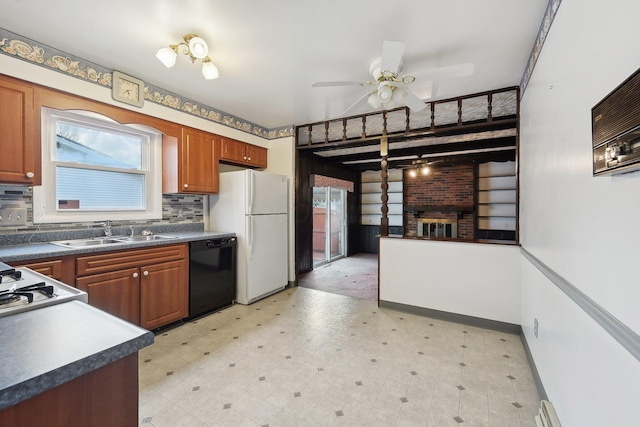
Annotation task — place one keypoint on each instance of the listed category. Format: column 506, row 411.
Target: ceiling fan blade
column 392, row 56
column 413, row 102
column 452, row 71
column 356, row 105
column 329, row 84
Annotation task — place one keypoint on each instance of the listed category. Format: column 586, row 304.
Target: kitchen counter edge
column 54, row 363
column 12, row 253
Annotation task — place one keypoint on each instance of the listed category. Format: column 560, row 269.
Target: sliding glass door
column 329, row 224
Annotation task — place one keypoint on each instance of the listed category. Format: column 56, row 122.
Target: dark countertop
column 49, row 346
column 9, row 253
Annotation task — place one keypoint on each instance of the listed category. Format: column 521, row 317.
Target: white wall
column 473, row 279
column 281, row 160
column 583, row 228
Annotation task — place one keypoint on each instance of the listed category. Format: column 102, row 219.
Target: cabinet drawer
column 59, row 269
column 106, row 262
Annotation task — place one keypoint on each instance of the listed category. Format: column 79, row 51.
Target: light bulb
column 198, row 47
column 412, row 173
column 384, row 93
column 209, row 70
column 425, row 170
column 374, row 101
column 399, row 94
column 167, row 56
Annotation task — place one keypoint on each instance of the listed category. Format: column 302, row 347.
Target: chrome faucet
column 132, row 231
column 107, row 228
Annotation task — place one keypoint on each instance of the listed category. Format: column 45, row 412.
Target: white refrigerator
column 253, row 205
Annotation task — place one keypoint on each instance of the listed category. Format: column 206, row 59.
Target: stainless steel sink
column 145, row 238
column 86, row 242
column 105, row 241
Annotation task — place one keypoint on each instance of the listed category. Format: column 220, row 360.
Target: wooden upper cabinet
column 241, row 153
column 190, row 164
column 256, row 156
column 19, row 134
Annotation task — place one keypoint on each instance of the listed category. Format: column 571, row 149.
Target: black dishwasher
column 212, row 275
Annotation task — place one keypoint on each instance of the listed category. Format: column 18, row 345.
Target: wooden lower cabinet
column 162, row 296
column 148, row 287
column 61, row 269
column 117, row 293
column 106, row 397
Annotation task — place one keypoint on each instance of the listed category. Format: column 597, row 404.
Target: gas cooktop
column 22, row 289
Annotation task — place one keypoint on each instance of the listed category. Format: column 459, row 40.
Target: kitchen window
column 95, row 169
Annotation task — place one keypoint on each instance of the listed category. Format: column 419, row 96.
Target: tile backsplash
column 176, row 209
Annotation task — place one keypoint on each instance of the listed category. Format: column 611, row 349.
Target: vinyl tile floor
column 304, row 357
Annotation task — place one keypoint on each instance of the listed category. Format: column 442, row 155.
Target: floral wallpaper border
column 23, row 48
column 545, row 25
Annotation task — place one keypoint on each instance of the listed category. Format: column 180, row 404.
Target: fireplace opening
column 435, row 227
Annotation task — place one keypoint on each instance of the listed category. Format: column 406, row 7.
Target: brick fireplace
column 446, row 194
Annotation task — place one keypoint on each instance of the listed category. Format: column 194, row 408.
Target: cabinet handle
column 249, row 158
column 135, row 275
column 186, row 186
column 245, row 157
column 30, row 174
column 145, row 273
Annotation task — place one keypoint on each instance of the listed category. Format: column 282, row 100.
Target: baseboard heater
column 547, row 416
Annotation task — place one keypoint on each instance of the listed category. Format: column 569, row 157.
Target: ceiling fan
column 418, row 166
column 390, row 87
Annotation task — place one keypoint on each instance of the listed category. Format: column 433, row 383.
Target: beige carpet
column 354, row 276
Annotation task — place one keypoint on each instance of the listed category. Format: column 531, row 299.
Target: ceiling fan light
column 167, row 56
column 209, row 70
column 374, row 101
column 412, row 173
column 425, row 170
column 384, row 93
column 399, row 94
column 390, row 104
column 198, row 47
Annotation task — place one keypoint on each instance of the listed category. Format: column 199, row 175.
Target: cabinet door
column 232, row 150
column 198, row 162
column 117, row 293
column 20, row 157
column 164, row 290
column 256, row 156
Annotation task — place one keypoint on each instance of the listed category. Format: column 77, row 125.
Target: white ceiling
column 270, row 51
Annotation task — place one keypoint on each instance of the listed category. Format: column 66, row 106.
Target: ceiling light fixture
column 195, row 48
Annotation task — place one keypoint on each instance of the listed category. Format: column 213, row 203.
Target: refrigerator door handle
column 250, row 237
column 250, row 190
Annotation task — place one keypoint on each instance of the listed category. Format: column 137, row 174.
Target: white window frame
column 44, row 197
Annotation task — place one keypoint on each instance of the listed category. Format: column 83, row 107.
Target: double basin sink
column 106, row 241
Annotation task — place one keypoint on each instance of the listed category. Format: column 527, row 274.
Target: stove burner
column 24, row 295
column 15, row 275
column 13, row 299
column 40, row 287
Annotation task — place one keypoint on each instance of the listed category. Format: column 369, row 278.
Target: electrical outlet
column 535, row 327
column 13, row 217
